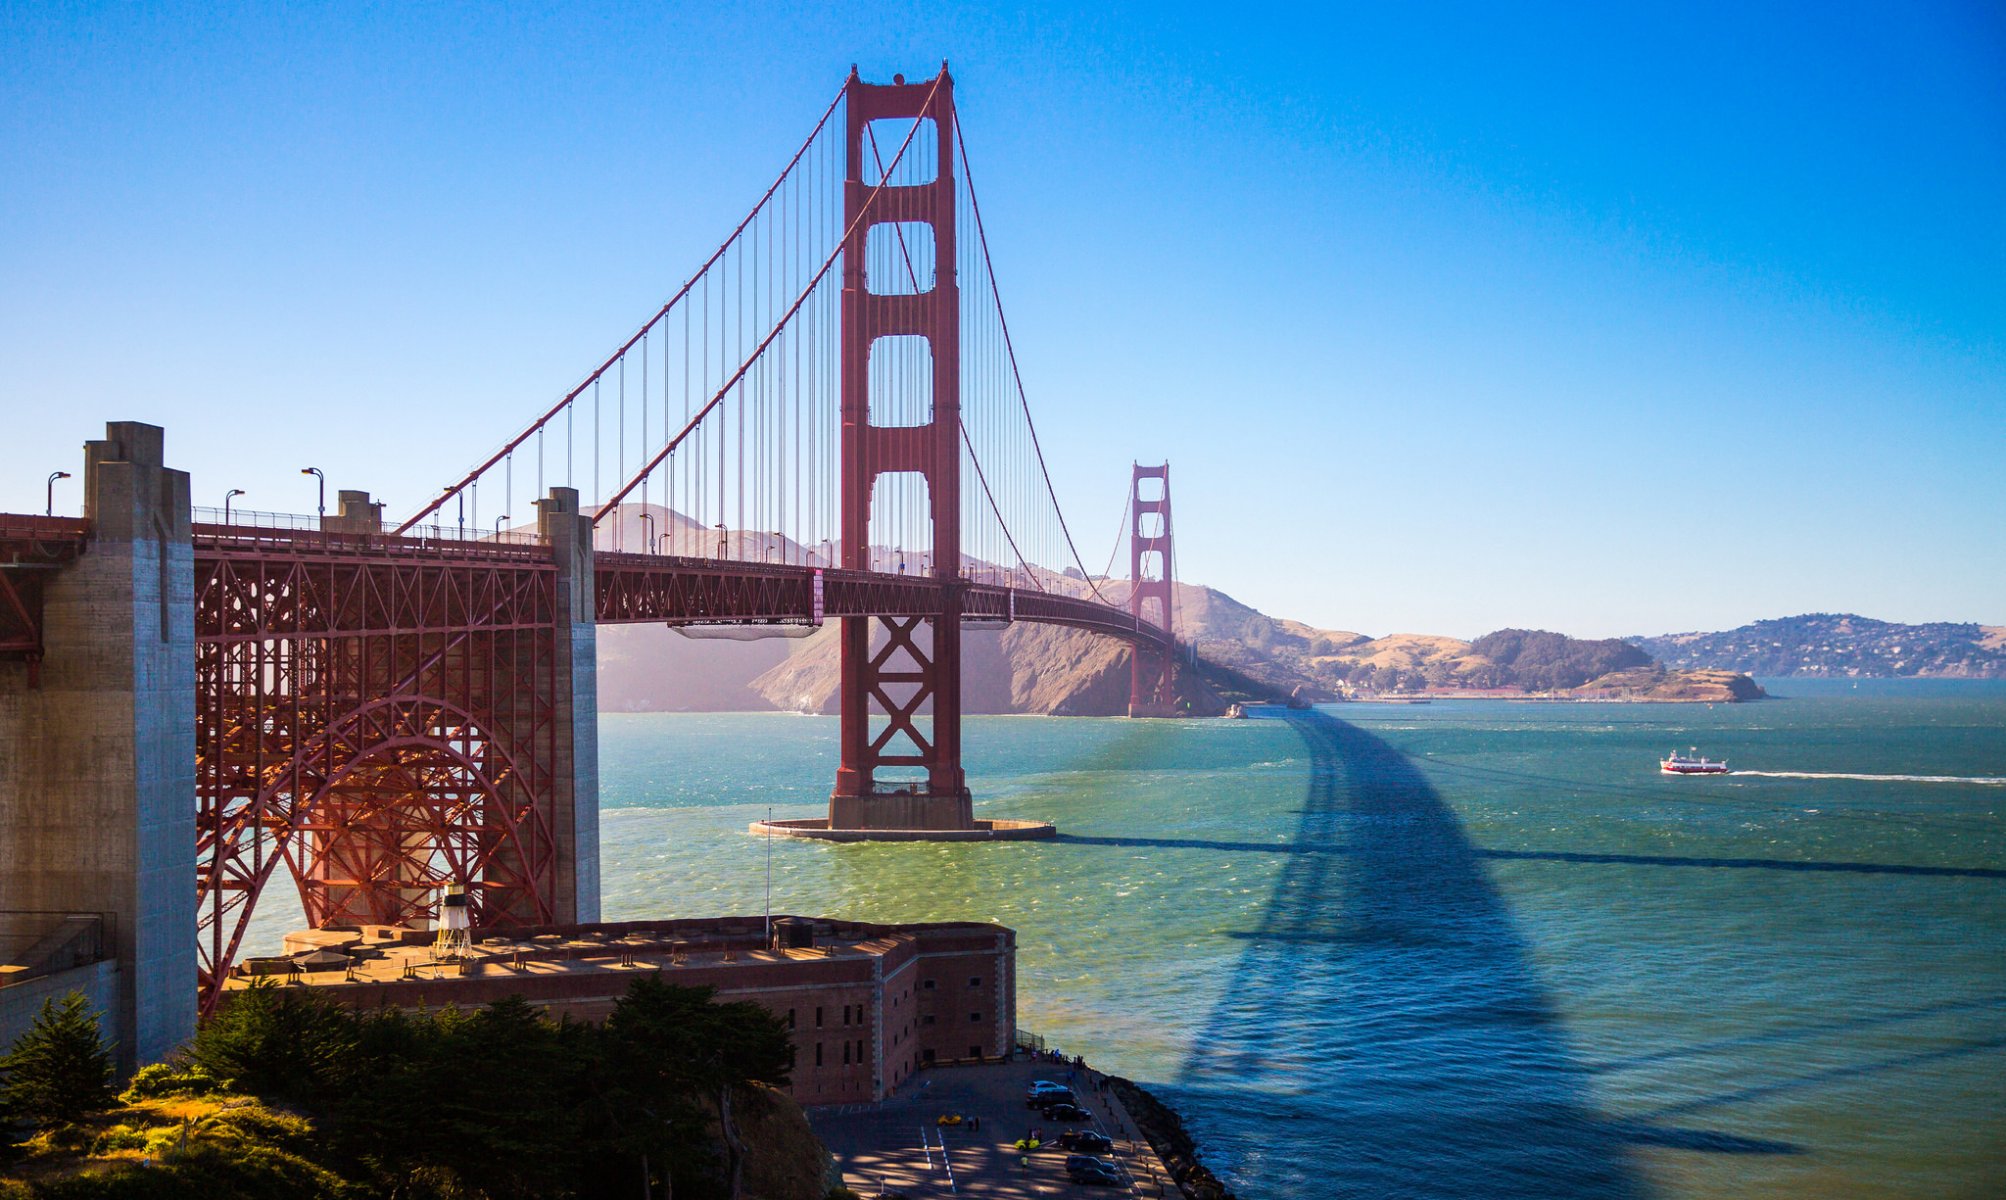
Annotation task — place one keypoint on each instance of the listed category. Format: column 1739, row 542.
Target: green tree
column 489, row 1103
column 60, row 1070
column 277, row 1043
column 670, row 1044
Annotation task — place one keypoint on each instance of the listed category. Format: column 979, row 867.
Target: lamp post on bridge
column 50, row 510
column 648, row 532
column 498, row 525
column 720, row 539
column 316, row 473
column 228, row 496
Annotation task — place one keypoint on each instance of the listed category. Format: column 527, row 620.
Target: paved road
column 899, row 1146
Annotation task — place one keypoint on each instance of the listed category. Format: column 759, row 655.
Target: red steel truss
column 376, row 714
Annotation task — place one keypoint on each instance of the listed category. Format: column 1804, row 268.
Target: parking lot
column 900, row 1145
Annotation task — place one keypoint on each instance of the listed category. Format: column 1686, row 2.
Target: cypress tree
column 60, row 1070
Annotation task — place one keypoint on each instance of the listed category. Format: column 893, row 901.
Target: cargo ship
column 1678, row 764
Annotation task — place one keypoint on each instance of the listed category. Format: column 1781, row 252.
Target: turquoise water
column 1462, row 949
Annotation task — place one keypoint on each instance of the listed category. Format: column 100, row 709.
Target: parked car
column 1096, row 1173
column 1067, row 1112
column 1091, row 1141
column 1041, row 1093
column 1083, row 1160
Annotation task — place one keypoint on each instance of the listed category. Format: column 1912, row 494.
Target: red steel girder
column 377, row 716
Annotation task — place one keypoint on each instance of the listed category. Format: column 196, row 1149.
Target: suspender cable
column 593, row 378
column 1010, row 349
column 795, row 307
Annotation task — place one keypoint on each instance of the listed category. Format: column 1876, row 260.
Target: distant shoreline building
column 867, row 1005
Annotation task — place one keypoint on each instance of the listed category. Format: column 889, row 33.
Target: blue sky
column 1448, row 318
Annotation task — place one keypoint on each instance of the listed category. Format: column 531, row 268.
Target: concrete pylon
column 575, row 821
column 97, row 765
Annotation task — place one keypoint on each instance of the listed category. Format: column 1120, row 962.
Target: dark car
column 1039, row 1097
column 1087, row 1140
column 1067, row 1112
column 1096, row 1173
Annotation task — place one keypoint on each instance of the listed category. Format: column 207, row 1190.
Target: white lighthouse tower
column 455, row 940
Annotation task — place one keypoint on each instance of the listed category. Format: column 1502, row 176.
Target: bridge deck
column 681, row 590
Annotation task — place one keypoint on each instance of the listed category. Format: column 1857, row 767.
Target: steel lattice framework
column 376, row 714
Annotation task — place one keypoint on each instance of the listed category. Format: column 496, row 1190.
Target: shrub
column 159, row 1079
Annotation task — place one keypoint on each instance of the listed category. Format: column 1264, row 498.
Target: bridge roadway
column 676, row 590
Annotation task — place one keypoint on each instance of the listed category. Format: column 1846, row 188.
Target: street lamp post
column 498, row 525
column 228, row 496
column 53, row 476
column 720, row 539
column 647, row 532
column 316, row 473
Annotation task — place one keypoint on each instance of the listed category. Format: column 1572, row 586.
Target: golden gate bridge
column 826, row 422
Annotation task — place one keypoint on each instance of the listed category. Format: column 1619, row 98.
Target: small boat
column 1679, row 764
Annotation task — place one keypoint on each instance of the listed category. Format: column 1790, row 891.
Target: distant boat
column 1679, row 764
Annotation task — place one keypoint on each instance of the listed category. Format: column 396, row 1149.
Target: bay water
column 1462, row 949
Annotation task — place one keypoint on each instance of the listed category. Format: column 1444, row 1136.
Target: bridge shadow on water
column 1385, row 1033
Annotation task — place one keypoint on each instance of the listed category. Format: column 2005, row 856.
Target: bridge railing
column 251, row 519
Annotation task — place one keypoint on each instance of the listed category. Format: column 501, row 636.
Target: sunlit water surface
column 1469, row 949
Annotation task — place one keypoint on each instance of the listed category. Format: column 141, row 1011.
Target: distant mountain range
column 1839, row 645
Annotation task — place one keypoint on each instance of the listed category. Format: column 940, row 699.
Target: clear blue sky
column 1449, row 318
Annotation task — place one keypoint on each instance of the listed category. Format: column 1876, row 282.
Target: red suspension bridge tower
column 1152, row 687
column 914, row 662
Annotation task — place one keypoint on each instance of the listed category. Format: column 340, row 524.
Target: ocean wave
column 1984, row 780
